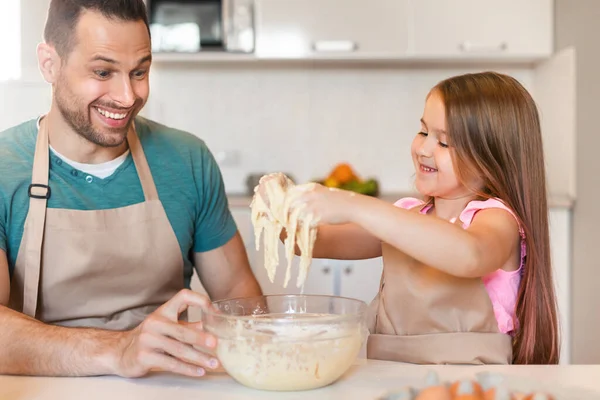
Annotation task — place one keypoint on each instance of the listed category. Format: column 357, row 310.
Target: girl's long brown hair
column 494, row 130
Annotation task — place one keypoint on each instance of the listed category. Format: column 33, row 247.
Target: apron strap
column 141, row 165
column 39, row 193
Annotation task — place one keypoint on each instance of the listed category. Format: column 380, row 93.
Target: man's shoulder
column 19, row 135
column 156, row 135
column 17, row 143
column 17, row 146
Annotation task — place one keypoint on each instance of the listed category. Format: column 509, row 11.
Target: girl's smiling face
column 435, row 174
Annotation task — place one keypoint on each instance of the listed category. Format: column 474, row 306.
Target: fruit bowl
column 287, row 342
column 344, row 177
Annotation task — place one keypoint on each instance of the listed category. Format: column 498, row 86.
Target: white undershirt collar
column 103, row 170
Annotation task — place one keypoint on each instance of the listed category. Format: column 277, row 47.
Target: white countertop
column 366, row 380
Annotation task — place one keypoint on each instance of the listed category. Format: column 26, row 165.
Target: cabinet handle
column 348, row 270
column 470, row 47
column 339, row 46
column 326, row 270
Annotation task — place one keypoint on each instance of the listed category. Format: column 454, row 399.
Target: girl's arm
column 344, row 242
column 489, row 242
column 487, row 245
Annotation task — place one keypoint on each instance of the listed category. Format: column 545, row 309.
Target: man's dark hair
column 63, row 16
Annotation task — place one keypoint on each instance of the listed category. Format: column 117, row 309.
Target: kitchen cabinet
column 331, row 29
column 359, row 279
column 395, row 30
column 405, row 29
column 487, row 29
column 555, row 91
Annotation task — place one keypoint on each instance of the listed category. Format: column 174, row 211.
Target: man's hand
column 162, row 343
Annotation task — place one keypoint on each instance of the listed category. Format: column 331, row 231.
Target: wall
column 577, row 25
column 301, row 119
column 21, row 101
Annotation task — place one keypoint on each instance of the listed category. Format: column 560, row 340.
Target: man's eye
column 102, row 73
column 139, row 74
column 423, row 133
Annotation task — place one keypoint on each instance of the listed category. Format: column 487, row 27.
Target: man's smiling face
column 103, row 80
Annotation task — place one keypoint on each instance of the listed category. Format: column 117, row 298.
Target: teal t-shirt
column 186, row 175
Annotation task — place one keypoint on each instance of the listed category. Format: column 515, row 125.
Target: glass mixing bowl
column 287, row 342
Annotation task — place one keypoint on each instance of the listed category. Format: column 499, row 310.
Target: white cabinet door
column 360, row 279
column 321, row 279
column 331, row 28
column 483, row 28
column 242, row 217
column 560, row 246
column 555, row 92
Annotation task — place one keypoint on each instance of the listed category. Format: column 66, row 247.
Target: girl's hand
column 274, row 180
column 271, row 187
column 328, row 206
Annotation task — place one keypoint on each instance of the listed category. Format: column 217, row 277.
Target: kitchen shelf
column 407, row 61
column 215, row 56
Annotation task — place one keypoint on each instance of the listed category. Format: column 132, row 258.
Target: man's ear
column 49, row 62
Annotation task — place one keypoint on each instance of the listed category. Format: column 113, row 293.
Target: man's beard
column 80, row 120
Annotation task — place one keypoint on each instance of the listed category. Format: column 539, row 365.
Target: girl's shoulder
column 473, row 207
column 408, row 203
column 467, row 215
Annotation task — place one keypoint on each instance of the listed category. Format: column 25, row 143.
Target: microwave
column 191, row 26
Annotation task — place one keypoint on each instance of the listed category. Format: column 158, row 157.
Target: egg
column 434, row 389
column 498, row 393
column 466, row 390
column 434, row 393
column 489, row 380
column 539, row 396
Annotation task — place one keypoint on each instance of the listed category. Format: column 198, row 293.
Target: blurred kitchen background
column 303, row 86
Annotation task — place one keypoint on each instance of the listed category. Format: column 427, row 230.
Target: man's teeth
column 111, row 115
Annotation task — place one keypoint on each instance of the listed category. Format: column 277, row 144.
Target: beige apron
column 424, row 316
column 101, row 268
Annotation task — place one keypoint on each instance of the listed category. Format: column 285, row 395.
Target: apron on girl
column 422, row 315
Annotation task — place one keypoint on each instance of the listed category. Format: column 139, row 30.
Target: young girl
column 467, row 276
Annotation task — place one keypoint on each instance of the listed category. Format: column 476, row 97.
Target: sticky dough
column 272, row 214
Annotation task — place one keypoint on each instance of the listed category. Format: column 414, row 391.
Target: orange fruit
column 343, row 173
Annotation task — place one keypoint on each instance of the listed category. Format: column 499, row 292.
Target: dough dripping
column 272, row 214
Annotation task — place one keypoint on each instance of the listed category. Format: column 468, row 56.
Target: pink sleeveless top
column 502, row 286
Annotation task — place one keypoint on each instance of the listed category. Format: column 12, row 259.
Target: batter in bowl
column 287, row 358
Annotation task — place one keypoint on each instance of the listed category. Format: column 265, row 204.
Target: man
column 103, row 214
